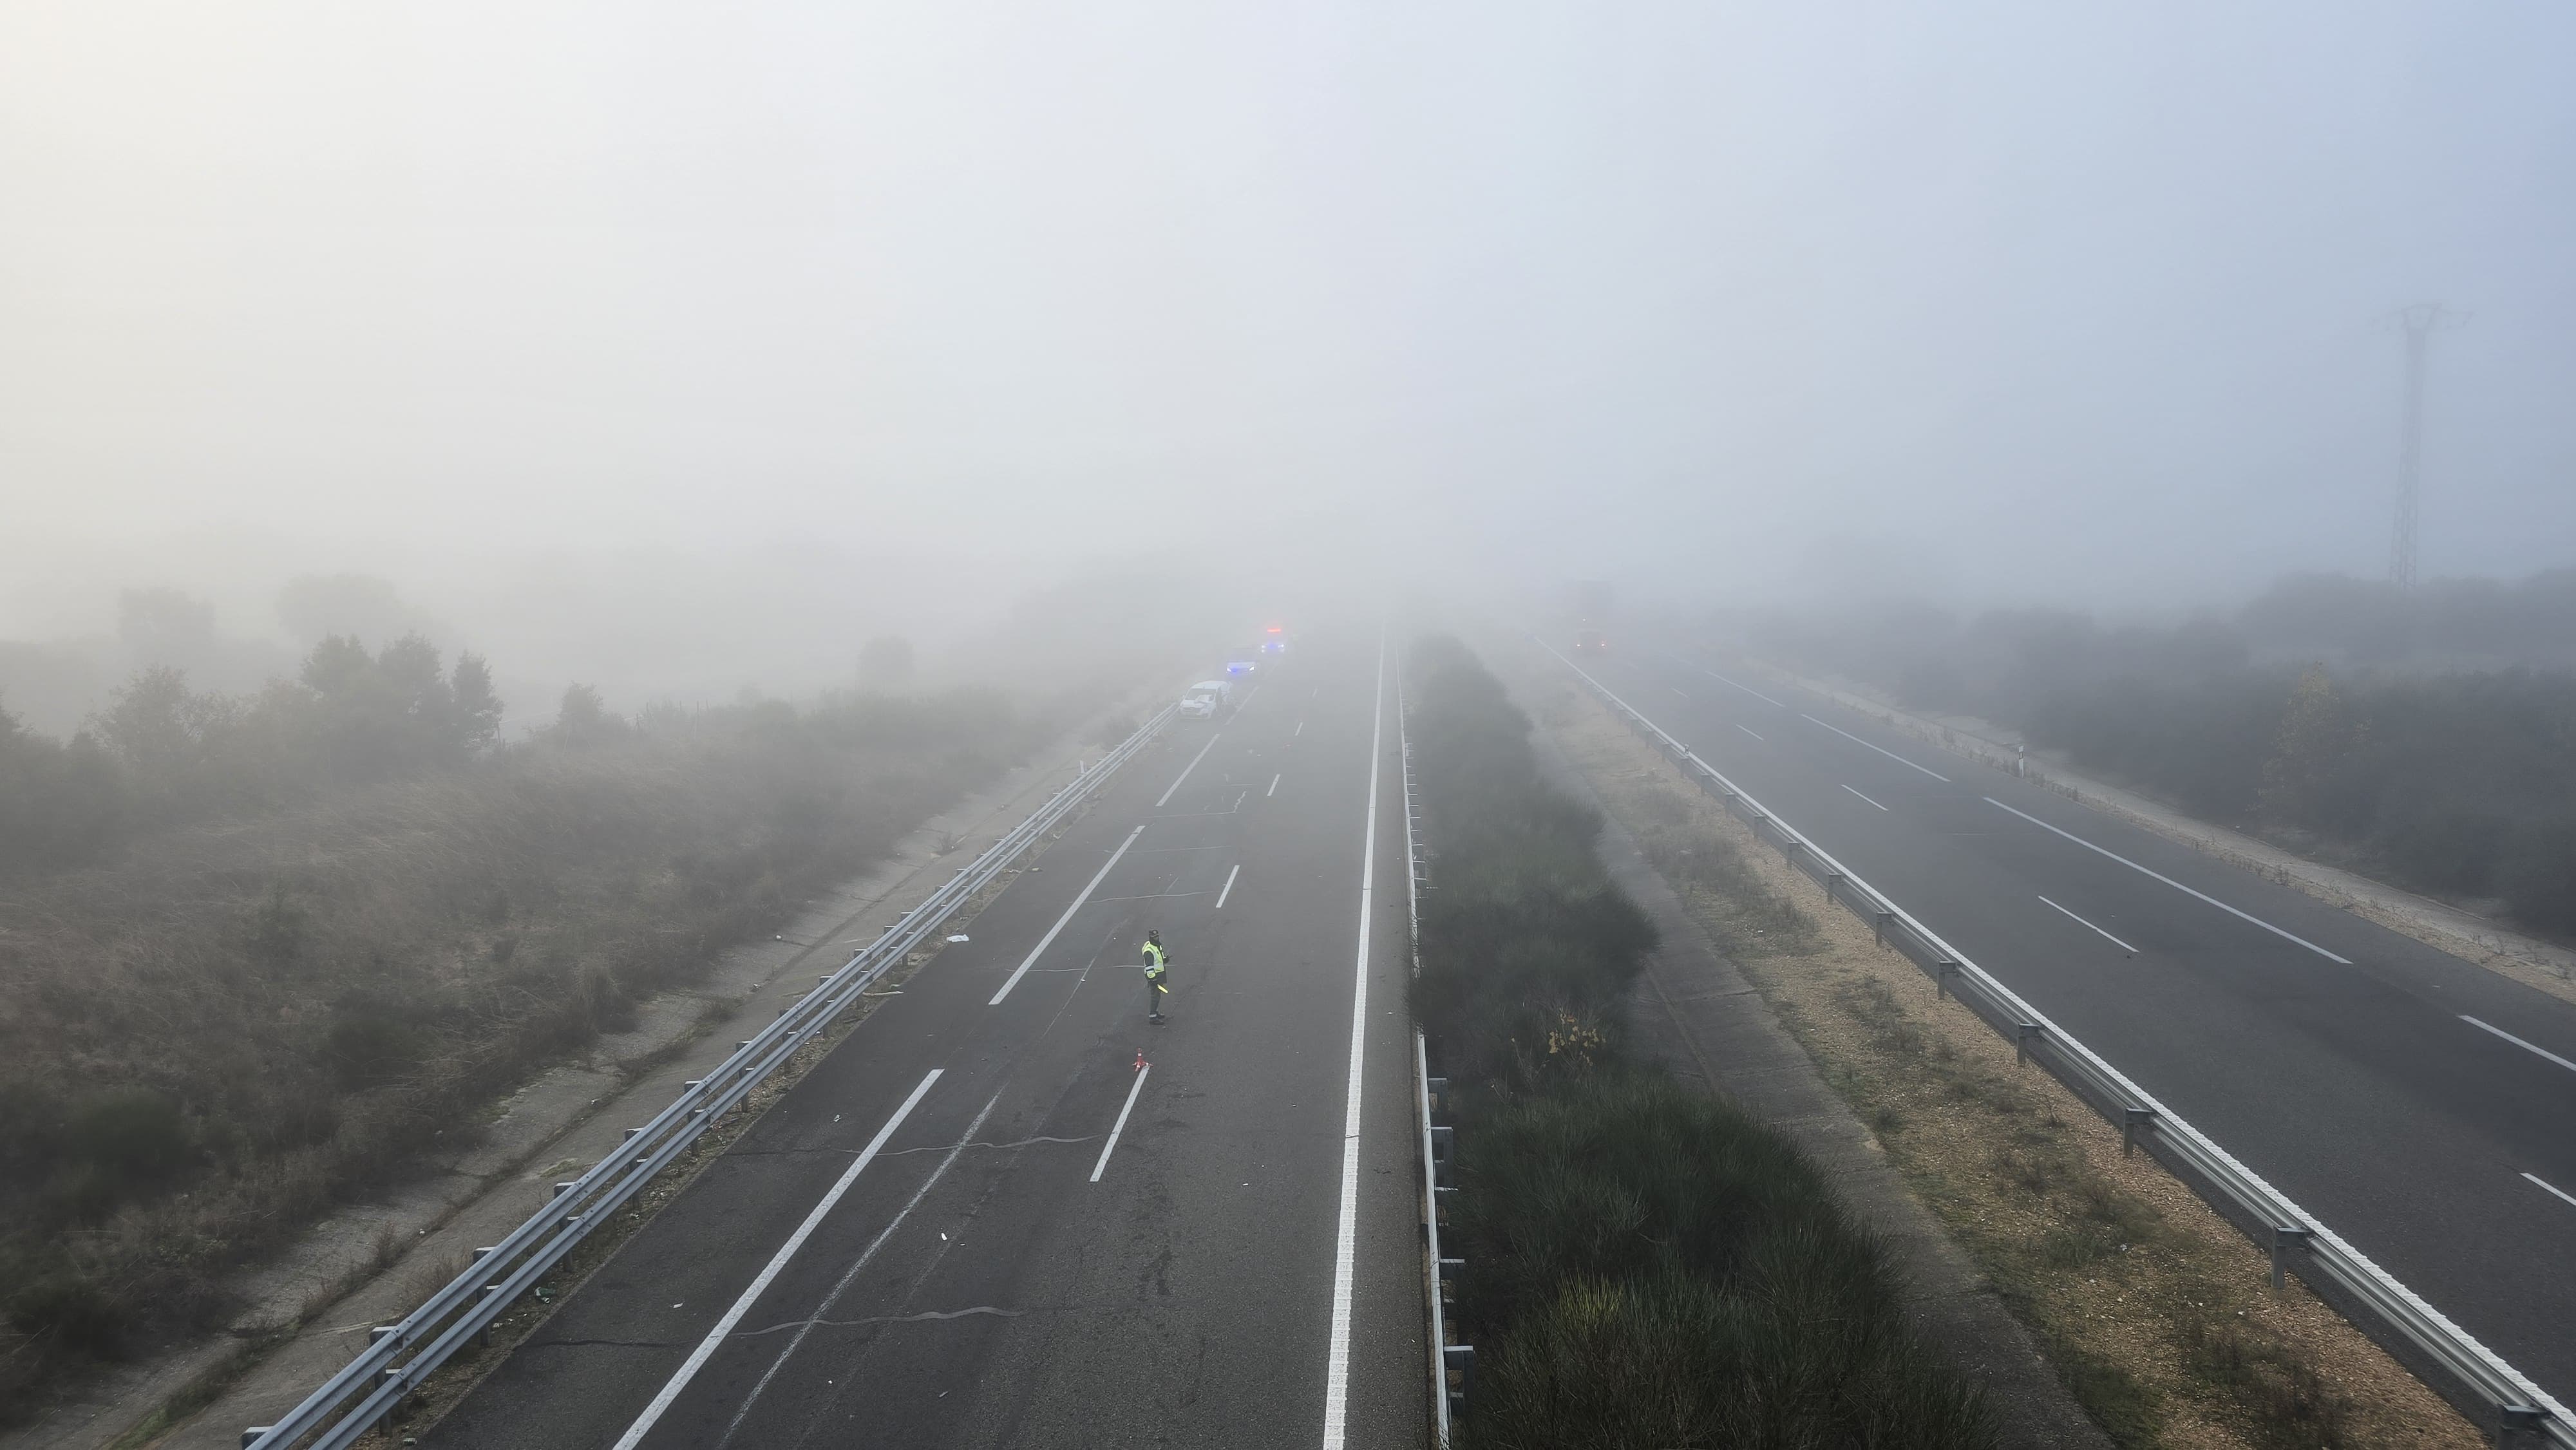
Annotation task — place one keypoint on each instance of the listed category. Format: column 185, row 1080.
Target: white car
column 1206, row 700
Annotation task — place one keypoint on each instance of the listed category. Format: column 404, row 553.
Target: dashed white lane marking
column 2554, row 1188
column 2518, row 1042
column 707, row 1347
column 848, row 1275
column 1121, row 1125
column 1747, row 729
column 2176, row 885
column 2106, row 936
column 1739, row 684
column 1229, row 886
column 1186, row 769
column 1890, row 754
column 1676, row 689
column 1337, row 1359
column 1049, row 939
column 1300, row 730
column 1274, row 787
column 1863, row 797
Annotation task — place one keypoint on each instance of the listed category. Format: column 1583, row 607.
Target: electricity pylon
column 2420, row 322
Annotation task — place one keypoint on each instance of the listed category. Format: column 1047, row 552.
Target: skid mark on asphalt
column 926, row 1314
column 1022, row 1143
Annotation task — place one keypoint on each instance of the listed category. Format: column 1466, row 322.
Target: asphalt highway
column 2422, row 1107
column 979, row 1222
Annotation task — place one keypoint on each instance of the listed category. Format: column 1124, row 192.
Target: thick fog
column 683, row 347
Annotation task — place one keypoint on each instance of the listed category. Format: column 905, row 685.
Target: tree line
column 164, row 754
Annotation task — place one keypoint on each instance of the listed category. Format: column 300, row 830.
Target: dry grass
column 2158, row 1314
column 208, row 1044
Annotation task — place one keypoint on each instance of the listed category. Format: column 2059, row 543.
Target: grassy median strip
column 2157, row 1312
column 1646, row 1266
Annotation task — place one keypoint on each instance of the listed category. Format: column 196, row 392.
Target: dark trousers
column 1154, row 997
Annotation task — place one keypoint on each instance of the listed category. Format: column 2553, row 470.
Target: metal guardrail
column 2478, row 1377
column 401, row 1356
column 1435, row 1139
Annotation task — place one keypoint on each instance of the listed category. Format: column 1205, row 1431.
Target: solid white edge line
column 1863, row 797
column 1229, row 885
column 1049, row 939
column 2518, row 1042
column 2554, row 1188
column 1274, row 787
column 1747, row 729
column 2106, row 936
column 1186, row 769
column 707, row 1347
column 1337, row 1360
column 1883, row 750
column 2176, row 885
column 1121, row 1125
column 2362, row 1264
column 848, row 1275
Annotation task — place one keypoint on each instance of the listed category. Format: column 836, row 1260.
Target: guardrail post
column 1879, row 922
column 2131, row 1120
column 2285, row 1237
column 1437, row 1089
column 251, row 1436
column 1830, row 878
column 2511, row 1420
column 2024, row 1034
column 1443, row 1151
column 1459, row 1359
column 1941, row 971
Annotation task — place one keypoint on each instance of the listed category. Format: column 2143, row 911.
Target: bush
column 133, row 1135
column 72, row 1314
column 1527, row 946
column 162, row 754
column 1646, row 1266
column 211, row 1040
column 2539, row 875
column 1661, row 1270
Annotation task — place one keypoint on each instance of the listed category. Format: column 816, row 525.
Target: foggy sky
column 2011, row 301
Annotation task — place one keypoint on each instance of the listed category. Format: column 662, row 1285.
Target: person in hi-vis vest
column 1157, row 985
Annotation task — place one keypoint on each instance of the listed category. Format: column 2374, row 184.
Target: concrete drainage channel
column 400, row 1357
column 2472, row 1376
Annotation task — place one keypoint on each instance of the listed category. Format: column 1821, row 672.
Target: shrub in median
column 1666, row 1272
column 1527, row 947
column 1646, row 1266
